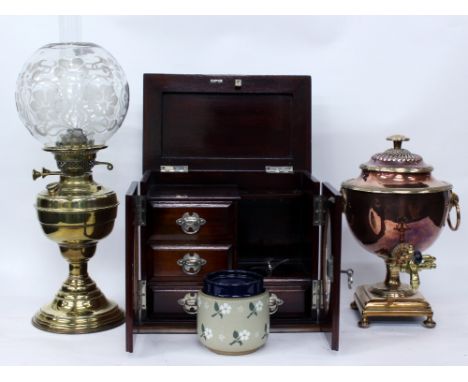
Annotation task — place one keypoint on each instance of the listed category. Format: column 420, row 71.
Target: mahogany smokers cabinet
column 227, row 184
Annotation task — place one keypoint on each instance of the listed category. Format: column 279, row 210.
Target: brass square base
column 370, row 305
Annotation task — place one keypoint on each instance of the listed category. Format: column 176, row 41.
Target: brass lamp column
column 72, row 97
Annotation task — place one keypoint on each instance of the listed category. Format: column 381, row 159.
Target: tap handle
column 419, row 262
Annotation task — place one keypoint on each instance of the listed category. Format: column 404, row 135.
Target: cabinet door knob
column 191, row 263
column 190, row 223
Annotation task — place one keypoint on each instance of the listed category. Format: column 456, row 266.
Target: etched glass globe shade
column 71, row 94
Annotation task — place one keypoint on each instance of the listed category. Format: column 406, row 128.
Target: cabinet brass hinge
column 317, row 295
column 140, row 210
column 320, row 210
column 320, row 297
column 174, row 169
column 279, row 169
column 141, row 301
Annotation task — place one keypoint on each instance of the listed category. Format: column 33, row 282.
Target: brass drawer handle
column 189, row 303
column 191, row 263
column 190, row 223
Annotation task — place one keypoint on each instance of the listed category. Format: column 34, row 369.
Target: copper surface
column 381, row 221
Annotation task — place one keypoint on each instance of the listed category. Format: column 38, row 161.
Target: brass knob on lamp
column 45, row 172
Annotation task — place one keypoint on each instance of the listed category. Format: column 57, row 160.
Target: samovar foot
column 364, row 323
column 353, row 305
column 429, row 322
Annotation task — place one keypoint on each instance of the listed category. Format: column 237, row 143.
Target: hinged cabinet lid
column 233, row 123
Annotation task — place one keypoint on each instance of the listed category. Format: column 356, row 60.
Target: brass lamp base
column 52, row 319
column 79, row 307
column 371, row 305
column 76, row 213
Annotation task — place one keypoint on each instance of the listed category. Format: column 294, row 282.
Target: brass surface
column 401, row 170
column 357, row 185
column 397, row 139
column 369, row 305
column 397, row 159
column 76, row 213
column 392, row 298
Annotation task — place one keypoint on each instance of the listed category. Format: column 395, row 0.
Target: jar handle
column 189, row 303
column 454, row 202
column 274, row 303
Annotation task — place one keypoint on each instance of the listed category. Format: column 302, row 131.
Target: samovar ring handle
column 454, row 202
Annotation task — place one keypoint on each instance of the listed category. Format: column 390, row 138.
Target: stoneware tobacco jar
column 233, row 311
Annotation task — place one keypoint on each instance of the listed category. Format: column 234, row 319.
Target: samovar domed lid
column 397, row 159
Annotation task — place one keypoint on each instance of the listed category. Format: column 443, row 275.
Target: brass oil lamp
column 396, row 209
column 72, row 97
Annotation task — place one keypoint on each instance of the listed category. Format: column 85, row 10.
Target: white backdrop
column 371, row 77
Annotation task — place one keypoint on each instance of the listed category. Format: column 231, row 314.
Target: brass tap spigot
column 415, row 264
column 404, row 258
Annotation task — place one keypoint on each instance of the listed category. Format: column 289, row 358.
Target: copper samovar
column 396, row 209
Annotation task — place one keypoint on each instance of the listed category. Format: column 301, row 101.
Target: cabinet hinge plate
column 174, row 168
column 317, row 294
column 140, row 210
column 141, row 295
column 279, row 169
column 320, row 210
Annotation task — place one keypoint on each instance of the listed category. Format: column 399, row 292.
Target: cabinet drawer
column 188, row 262
column 189, row 222
column 164, row 300
column 296, row 296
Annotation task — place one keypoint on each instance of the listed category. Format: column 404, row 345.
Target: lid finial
column 397, row 159
column 397, row 139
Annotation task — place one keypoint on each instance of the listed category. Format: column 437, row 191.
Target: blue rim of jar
column 233, row 284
